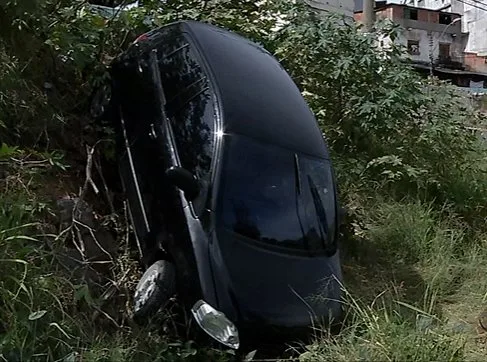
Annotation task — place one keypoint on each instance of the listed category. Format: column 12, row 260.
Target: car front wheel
column 154, row 290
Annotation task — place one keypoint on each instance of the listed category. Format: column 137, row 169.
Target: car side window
column 194, row 133
column 191, row 110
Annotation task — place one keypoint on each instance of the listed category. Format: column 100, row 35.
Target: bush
column 387, row 127
column 409, row 169
column 24, row 109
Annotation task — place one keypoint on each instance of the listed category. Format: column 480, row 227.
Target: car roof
column 259, row 98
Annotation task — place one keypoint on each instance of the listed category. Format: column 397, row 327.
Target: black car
column 229, row 183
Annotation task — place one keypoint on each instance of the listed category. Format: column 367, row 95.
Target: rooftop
column 267, row 104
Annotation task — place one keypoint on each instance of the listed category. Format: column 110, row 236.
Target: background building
column 429, row 36
column 474, row 23
column 435, row 41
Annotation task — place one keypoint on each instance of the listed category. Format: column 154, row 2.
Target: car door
column 188, row 138
column 141, row 158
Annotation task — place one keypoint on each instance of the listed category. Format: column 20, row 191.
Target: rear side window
column 190, row 107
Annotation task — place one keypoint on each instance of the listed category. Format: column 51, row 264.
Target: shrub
column 388, row 127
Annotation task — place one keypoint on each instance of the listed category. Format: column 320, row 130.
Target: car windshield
column 277, row 196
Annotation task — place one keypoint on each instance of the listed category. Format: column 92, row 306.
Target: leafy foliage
column 380, row 117
column 390, row 132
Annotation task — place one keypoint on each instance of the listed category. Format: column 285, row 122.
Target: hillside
column 410, row 166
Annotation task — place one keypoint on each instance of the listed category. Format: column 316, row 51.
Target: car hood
column 263, row 286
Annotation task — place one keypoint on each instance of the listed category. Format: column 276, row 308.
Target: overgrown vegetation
column 411, row 171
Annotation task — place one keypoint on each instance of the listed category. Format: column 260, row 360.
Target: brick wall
column 397, row 13
column 475, row 63
column 433, row 16
column 423, row 15
column 382, row 14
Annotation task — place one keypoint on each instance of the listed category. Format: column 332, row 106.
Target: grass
column 47, row 314
column 413, row 281
column 414, row 288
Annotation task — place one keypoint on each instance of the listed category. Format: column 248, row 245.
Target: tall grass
column 413, row 292
column 33, row 305
column 382, row 332
column 48, row 314
column 413, row 287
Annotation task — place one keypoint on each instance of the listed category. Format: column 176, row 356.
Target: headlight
column 216, row 324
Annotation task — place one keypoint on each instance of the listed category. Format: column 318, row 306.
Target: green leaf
column 82, row 292
column 7, row 151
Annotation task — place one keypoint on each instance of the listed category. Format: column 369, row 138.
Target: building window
column 444, row 51
column 413, row 47
column 445, row 18
column 411, row 14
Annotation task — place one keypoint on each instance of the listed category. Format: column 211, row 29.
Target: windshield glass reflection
column 266, row 196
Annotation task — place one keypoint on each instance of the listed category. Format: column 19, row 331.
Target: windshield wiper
column 320, row 211
column 298, row 193
column 297, row 174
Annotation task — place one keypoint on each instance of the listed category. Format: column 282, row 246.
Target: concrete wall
column 433, row 4
column 473, row 26
column 429, row 44
column 427, row 20
column 427, row 31
column 474, row 20
column 475, row 23
column 453, row 6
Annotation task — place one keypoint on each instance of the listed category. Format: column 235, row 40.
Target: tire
column 154, row 290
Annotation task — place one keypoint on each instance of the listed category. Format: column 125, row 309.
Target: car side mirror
column 185, row 181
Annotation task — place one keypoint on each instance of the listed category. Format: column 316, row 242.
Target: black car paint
column 166, row 210
column 251, row 95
